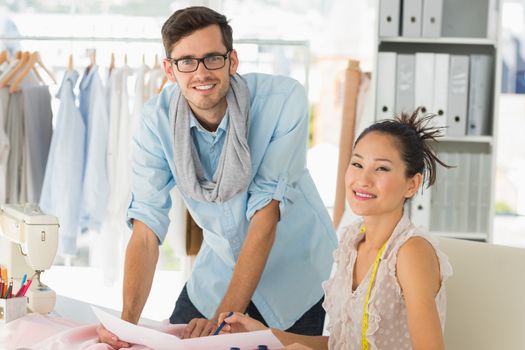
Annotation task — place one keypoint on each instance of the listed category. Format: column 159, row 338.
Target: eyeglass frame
column 199, row 60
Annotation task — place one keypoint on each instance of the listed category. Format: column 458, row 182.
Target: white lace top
column 387, row 321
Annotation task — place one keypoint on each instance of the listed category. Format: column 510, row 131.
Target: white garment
column 114, row 233
column 154, row 82
column 140, row 89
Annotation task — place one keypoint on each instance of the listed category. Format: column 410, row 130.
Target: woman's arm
column 239, row 322
column 318, row 342
column 419, row 277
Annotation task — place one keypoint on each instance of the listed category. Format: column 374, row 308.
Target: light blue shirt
column 208, row 144
column 95, row 190
column 301, row 257
column 62, row 185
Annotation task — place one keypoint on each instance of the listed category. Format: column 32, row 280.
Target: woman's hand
column 239, row 322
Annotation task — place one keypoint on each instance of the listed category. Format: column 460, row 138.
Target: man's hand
column 199, row 327
column 239, row 322
column 105, row 336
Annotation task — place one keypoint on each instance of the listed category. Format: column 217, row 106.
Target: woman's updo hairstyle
column 413, row 133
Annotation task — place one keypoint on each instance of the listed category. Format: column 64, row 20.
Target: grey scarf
column 233, row 172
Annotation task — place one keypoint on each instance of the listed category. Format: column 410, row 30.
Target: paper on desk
column 157, row 340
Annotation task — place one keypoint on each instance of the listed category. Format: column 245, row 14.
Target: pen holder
column 12, row 308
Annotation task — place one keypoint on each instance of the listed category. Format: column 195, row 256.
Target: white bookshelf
column 447, row 212
column 454, row 41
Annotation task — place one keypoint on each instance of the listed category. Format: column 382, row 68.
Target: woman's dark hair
column 186, row 21
column 413, row 133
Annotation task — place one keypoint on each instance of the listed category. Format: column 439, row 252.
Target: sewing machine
column 28, row 245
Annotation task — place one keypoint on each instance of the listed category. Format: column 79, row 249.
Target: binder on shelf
column 463, row 190
column 458, row 95
column 480, row 95
column 386, row 85
column 389, row 17
column 432, row 15
column 466, row 18
column 485, row 172
column 439, row 105
column 412, row 12
column 405, row 83
column 474, row 193
column 438, row 200
column 452, row 193
column 424, row 82
column 420, row 208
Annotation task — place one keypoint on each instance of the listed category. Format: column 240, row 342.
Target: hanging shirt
column 15, row 134
column 4, row 143
column 113, row 92
column 301, row 257
column 93, row 108
column 123, row 188
column 154, row 81
column 62, row 185
column 140, row 88
column 114, row 233
column 38, row 128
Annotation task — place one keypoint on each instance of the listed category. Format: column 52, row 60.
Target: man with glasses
column 235, row 148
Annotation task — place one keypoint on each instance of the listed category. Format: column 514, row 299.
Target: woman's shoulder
column 422, row 252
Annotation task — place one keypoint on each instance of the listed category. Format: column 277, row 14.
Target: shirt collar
column 223, row 126
column 88, row 76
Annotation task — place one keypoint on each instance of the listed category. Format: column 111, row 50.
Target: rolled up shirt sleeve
column 284, row 160
column 151, row 181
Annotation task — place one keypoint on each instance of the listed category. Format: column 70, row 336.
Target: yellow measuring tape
column 368, row 292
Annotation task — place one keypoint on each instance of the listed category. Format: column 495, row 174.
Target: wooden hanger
column 92, row 53
column 35, row 71
column 112, row 63
column 41, row 64
column 23, row 59
column 70, row 65
column 34, row 59
column 4, row 56
column 28, row 66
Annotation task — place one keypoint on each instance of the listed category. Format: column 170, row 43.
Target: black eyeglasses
column 190, row 64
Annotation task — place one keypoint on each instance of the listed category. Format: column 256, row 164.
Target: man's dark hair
column 186, row 21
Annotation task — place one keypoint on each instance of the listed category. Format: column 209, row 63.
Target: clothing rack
column 304, row 44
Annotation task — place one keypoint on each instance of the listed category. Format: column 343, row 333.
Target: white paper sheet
column 157, row 340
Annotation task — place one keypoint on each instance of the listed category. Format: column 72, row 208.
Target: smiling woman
column 396, row 270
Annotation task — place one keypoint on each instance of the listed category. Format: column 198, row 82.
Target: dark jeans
column 310, row 323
